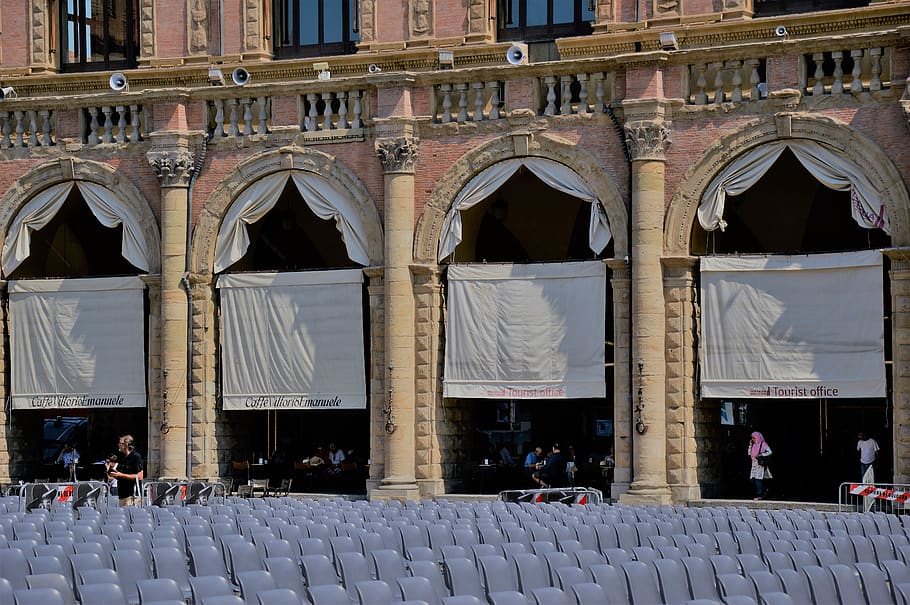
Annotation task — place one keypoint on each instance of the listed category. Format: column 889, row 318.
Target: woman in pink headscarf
column 759, row 452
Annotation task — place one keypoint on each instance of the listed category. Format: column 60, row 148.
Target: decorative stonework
column 252, row 25
column 648, row 140
column 147, row 29
column 604, row 11
column 397, row 154
column 367, row 20
column 173, row 167
column 421, row 19
column 39, row 30
column 855, row 147
column 198, row 26
column 666, row 8
column 478, row 19
column 428, row 416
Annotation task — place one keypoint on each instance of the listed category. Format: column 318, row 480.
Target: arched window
column 312, row 28
column 99, row 34
column 544, row 20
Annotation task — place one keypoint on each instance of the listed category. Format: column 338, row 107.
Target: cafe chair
column 240, row 471
column 260, row 487
column 284, row 488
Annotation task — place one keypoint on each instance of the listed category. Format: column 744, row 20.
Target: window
column 99, row 34
column 544, row 20
column 311, row 28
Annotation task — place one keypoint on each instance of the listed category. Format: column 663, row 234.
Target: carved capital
column 398, row 154
column 648, row 140
column 173, row 166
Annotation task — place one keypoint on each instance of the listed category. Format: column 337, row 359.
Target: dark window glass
column 544, row 20
column 773, row 8
column 311, row 28
column 99, row 35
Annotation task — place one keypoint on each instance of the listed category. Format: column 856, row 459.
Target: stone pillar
column 900, row 362
column 378, row 373
column 648, row 141
column 6, row 472
column 397, row 150
column 682, row 462
column 622, row 399
column 153, row 451
column 172, row 160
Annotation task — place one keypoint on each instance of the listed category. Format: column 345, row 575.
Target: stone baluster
column 818, row 88
column 121, row 124
column 875, row 83
column 494, row 100
column 478, row 101
column 356, row 122
column 736, row 69
column 718, row 82
column 21, row 130
column 263, row 126
column 565, row 83
column 550, row 82
column 598, row 79
column 233, row 129
column 107, row 133
column 856, row 86
column 446, row 103
column 219, row 118
column 93, row 126
column 837, row 86
column 462, row 89
column 33, row 128
column 583, row 107
column 701, row 84
column 46, row 127
column 247, row 116
column 5, row 129
column 754, row 79
column 327, row 111
column 311, row 124
column 342, row 109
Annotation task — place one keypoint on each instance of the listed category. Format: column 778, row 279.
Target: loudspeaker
column 7, row 92
column 373, row 68
column 240, row 76
column 118, row 82
column 517, row 54
column 780, row 30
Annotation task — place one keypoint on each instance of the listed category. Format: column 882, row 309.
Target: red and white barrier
column 882, row 493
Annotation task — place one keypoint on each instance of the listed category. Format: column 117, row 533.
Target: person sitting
column 336, row 457
column 552, row 473
column 505, row 456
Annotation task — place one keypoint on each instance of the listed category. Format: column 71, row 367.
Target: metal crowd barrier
column 51, row 496
column 891, row 498
column 565, row 495
column 182, row 493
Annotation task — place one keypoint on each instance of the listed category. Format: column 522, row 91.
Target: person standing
column 69, row 458
column 128, row 472
column 868, row 454
column 553, row 472
column 759, row 450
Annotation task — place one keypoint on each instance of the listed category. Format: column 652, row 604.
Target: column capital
column 398, row 154
column 648, row 140
column 173, row 167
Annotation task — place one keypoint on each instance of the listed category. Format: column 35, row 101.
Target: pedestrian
column 759, row 452
column 69, row 458
column 534, row 457
column 552, row 473
column 128, row 472
column 868, row 454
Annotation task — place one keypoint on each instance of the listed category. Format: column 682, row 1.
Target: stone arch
column 863, row 152
column 517, row 145
column 285, row 158
column 72, row 169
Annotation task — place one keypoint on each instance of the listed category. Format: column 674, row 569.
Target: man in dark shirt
column 128, row 472
column 553, row 472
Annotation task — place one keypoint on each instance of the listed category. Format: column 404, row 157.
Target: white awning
column 109, row 211
column 553, row 174
column 793, row 327
column 292, row 340
column 77, row 343
column 526, row 331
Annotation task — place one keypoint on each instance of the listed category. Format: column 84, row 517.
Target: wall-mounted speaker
column 118, row 82
column 517, row 54
column 240, row 76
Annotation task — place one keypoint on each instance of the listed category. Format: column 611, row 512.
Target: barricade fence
column 182, row 493
column 52, row 496
column 566, row 495
column 891, row 498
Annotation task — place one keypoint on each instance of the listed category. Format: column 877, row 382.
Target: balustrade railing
column 477, row 101
column 241, row 116
column 847, row 71
column 576, row 94
column 326, row 111
column 30, row 128
column 732, row 81
column 113, row 124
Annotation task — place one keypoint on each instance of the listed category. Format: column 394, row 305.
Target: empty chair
column 374, row 592
column 431, row 571
column 589, row 593
column 551, row 596
column 847, row 583
column 672, row 581
column 131, row 569
column 510, row 597
column 56, row 581
column 701, row 578
column 108, row 594
column 242, row 556
column 750, row 562
column 463, row 578
column 765, row 581
column 280, row 596
column 821, row 584
column 171, row 563
column 353, row 568
column 14, row 567
column 540, row 548
column 617, row 556
column 39, row 596
column 285, row 572
column 314, row 546
column 417, row 588
column 733, row 584
column 328, row 594
column 640, row 582
column 874, row 583
column 567, row 576
column 318, row 570
column 497, row 574
column 531, row 572
column 864, row 549
column 158, row 589
column 209, row 586
column 253, row 581
column 425, row 553
column 205, row 560
column 50, row 564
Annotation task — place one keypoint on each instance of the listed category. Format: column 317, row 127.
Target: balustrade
column 469, row 102
column 846, row 71
column 326, row 111
column 576, row 94
column 113, row 124
column 29, row 128
column 731, row 81
column 242, row 116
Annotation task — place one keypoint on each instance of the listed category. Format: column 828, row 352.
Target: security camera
column 216, row 77
column 780, row 31
column 118, row 82
column 374, row 69
column 240, row 76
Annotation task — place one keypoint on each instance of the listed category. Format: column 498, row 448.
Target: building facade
column 230, row 159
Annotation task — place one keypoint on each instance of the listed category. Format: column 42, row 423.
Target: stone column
column 648, row 141
column 378, row 372
column 900, row 362
column 622, row 400
column 398, row 154
column 172, row 160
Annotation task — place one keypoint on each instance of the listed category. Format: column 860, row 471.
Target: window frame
column 109, row 10
column 520, row 30
column 286, row 21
